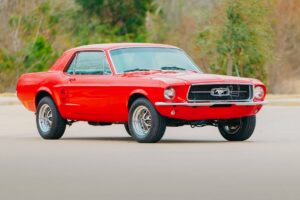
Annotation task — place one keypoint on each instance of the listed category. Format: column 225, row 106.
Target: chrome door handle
column 71, row 78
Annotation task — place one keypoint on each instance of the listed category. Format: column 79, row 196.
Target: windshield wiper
column 172, row 68
column 136, row 69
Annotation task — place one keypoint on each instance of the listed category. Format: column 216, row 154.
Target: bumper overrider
column 209, row 110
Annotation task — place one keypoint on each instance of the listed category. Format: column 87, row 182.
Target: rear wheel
column 237, row 129
column 146, row 125
column 49, row 122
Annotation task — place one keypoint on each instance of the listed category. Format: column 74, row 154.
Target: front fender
column 139, row 91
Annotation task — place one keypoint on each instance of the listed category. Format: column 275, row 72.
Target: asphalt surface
column 104, row 163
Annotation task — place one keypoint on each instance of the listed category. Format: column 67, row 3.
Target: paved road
column 103, row 163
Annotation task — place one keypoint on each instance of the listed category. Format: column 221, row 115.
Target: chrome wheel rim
column 141, row 121
column 45, row 118
column 233, row 128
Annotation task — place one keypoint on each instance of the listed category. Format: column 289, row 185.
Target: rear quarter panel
column 26, row 89
column 29, row 85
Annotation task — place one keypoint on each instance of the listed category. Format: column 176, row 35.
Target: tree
column 285, row 72
column 31, row 50
column 125, row 17
column 35, row 32
column 239, row 39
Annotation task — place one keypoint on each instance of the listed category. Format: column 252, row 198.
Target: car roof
column 109, row 46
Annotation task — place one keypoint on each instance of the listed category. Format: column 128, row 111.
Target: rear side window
column 93, row 62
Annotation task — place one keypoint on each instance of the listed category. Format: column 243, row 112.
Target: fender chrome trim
column 249, row 103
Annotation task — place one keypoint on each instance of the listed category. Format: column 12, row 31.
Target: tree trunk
column 241, row 70
column 229, row 65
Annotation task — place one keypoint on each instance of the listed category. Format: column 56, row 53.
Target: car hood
column 189, row 77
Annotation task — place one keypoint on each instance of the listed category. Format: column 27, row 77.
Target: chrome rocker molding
column 249, row 103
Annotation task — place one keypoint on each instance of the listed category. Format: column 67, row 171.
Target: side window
column 106, row 68
column 72, row 65
column 92, row 62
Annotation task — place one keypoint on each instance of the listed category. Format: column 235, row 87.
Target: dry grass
column 8, row 94
column 282, row 96
column 287, row 86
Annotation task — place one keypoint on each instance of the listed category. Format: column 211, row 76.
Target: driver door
column 89, row 78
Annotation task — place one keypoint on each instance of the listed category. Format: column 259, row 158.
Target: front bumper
column 247, row 103
column 208, row 110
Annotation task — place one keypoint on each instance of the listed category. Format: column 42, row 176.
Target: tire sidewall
column 247, row 128
column 126, row 126
column 158, row 125
column 58, row 124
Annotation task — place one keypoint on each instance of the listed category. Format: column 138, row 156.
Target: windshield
column 151, row 58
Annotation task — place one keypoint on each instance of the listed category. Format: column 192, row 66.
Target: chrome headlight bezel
column 259, row 92
column 169, row 93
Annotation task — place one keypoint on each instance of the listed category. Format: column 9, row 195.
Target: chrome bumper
column 247, row 103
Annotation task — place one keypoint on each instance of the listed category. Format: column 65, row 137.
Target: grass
column 282, row 96
column 7, row 94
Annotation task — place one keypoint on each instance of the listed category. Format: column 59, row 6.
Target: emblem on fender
column 220, row 92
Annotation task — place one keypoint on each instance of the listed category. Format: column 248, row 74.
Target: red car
column 146, row 87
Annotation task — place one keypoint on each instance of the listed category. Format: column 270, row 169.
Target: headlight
column 169, row 93
column 259, row 92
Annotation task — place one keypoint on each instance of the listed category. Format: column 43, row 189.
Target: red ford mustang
column 146, row 87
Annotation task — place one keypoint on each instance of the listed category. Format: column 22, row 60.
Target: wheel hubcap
column 233, row 127
column 141, row 120
column 45, row 118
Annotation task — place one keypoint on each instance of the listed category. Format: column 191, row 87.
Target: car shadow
column 99, row 138
column 190, row 141
column 129, row 139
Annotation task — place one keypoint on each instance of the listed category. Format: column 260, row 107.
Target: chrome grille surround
column 235, row 91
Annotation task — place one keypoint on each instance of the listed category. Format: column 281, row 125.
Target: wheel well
column 134, row 97
column 41, row 95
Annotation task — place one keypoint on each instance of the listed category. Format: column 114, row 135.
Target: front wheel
column 237, row 129
column 127, row 129
column 146, row 125
column 49, row 122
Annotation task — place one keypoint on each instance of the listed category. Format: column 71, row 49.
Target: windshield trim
column 197, row 69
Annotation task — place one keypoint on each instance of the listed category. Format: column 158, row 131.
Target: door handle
column 71, row 78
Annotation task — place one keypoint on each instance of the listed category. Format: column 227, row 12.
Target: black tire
column 158, row 122
column 127, row 129
column 58, row 126
column 237, row 129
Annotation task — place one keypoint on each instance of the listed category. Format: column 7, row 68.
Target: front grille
column 220, row 92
